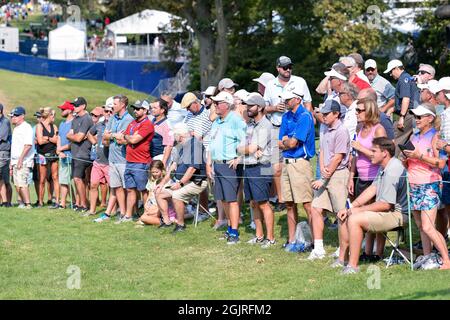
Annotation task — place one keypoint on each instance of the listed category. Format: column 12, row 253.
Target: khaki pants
column 333, row 195
column 296, row 180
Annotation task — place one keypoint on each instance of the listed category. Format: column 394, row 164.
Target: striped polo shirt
column 200, row 124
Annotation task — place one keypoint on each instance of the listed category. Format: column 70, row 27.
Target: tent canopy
column 145, row 22
column 66, row 43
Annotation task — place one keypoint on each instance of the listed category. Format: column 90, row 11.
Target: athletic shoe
column 74, row 207
column 163, row 225
column 349, row 270
column 21, row 206
column 102, row 218
column 202, row 217
column 124, row 219
column 179, row 228
column 256, row 240
column 268, row 243
column 252, row 225
column 224, row 236
column 81, row 209
column 433, row 262
column 232, row 239
column 338, row 264
column 54, row 206
column 374, row 258
column 220, row 224
column 316, row 255
column 28, row 207
column 336, row 253
column 88, row 214
column 420, row 261
column 364, row 257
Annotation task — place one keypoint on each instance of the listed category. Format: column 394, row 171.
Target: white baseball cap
column 335, row 74
column 444, row 84
column 393, row 64
column 289, row 94
column 241, row 94
column 264, row 78
column 209, row 91
column 422, row 111
column 226, row 83
column 370, row 64
column 224, row 96
column 432, row 85
column 109, row 103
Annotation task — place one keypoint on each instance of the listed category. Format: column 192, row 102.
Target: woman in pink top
column 368, row 117
column 424, row 167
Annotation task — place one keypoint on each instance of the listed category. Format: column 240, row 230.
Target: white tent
column 66, row 43
column 145, row 22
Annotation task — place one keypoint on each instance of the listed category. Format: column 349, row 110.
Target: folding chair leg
column 197, row 211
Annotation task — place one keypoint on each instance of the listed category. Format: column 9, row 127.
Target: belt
column 222, row 161
column 291, row 160
column 276, row 125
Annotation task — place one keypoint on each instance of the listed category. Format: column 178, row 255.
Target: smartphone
column 407, row 146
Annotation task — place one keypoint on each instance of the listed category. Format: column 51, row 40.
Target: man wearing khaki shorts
column 296, row 140
column 331, row 191
column 389, row 210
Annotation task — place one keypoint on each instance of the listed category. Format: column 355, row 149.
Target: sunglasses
column 370, row 70
column 420, row 117
column 358, row 110
column 342, row 93
column 15, row 115
column 287, row 68
column 423, row 72
column 108, row 111
column 95, row 115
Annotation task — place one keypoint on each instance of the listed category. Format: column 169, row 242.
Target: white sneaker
column 123, row 220
column 252, row 225
column 420, row 261
column 256, row 240
column 336, row 253
column 316, row 255
column 432, row 263
column 202, row 217
column 220, row 224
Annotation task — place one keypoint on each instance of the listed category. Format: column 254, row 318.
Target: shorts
column 361, row 186
column 384, row 221
column 100, row 173
column 425, row 196
column 188, row 192
column 64, row 168
column 333, row 195
column 226, row 182
column 257, row 182
column 116, row 175
column 445, row 198
column 22, row 177
column 277, row 155
column 296, row 180
column 79, row 168
column 4, row 166
column 136, row 176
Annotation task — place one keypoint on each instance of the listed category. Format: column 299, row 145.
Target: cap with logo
column 334, row 74
column 224, row 97
column 241, row 94
column 393, row 64
column 370, row 64
column 188, row 99
column 264, row 78
column 141, row 104
column 79, row 102
column 422, row 110
column 226, row 83
column 284, row 61
column 331, row 105
column 290, row 93
column 67, row 105
column 427, row 68
column 255, row 99
column 17, row 111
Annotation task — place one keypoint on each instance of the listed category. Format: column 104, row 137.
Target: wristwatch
column 181, row 183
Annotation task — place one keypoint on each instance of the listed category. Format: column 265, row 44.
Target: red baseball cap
column 67, row 105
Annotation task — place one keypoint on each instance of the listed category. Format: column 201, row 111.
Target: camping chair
column 396, row 252
column 197, row 210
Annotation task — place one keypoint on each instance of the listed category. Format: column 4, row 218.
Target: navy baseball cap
column 17, row 111
column 79, row 102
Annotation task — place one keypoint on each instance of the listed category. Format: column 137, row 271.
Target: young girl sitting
column 151, row 214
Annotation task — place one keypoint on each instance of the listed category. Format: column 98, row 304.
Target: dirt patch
column 5, row 101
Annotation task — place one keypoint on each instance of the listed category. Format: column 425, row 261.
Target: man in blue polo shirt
column 227, row 132
column 296, row 140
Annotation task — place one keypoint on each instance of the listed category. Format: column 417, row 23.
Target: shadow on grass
column 424, row 295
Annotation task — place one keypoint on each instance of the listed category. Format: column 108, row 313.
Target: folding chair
column 198, row 210
column 395, row 245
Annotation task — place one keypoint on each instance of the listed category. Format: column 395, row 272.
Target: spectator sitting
column 387, row 212
column 190, row 174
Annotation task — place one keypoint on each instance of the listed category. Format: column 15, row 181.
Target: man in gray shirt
column 387, row 212
column 257, row 150
column 384, row 89
column 5, row 153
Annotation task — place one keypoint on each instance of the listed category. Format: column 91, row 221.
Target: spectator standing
column 354, row 68
column 5, row 156
column 176, row 114
column 63, row 151
column 22, row 154
column 81, row 149
column 162, row 142
column 263, row 80
column 384, row 89
column 137, row 137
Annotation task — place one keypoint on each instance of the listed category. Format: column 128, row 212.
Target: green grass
column 34, row 92
column 122, row 262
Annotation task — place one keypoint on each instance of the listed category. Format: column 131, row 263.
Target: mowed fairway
column 41, row 250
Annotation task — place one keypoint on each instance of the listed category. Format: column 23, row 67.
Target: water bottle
column 348, row 204
column 442, row 153
column 354, row 152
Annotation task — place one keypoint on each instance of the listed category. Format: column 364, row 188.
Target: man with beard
column 256, row 149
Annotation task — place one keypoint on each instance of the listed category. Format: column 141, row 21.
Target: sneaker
column 336, row 253
column 420, row 261
column 252, row 225
column 81, row 209
column 179, row 228
column 74, row 207
column 364, row 257
column 256, row 240
column 432, row 263
column 54, row 206
column 164, row 225
column 349, row 270
column 102, row 218
column 224, row 236
column 28, row 207
column 88, row 214
column 37, row 206
column 338, row 264
column 232, row 239
column 123, row 220
column 21, row 206
column 374, row 258
column 202, row 217
column 268, row 243
column 316, row 255
column 220, row 224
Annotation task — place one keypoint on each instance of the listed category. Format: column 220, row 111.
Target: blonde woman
column 368, row 116
column 47, row 138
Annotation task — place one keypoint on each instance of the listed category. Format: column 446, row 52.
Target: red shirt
column 360, row 83
column 140, row 152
